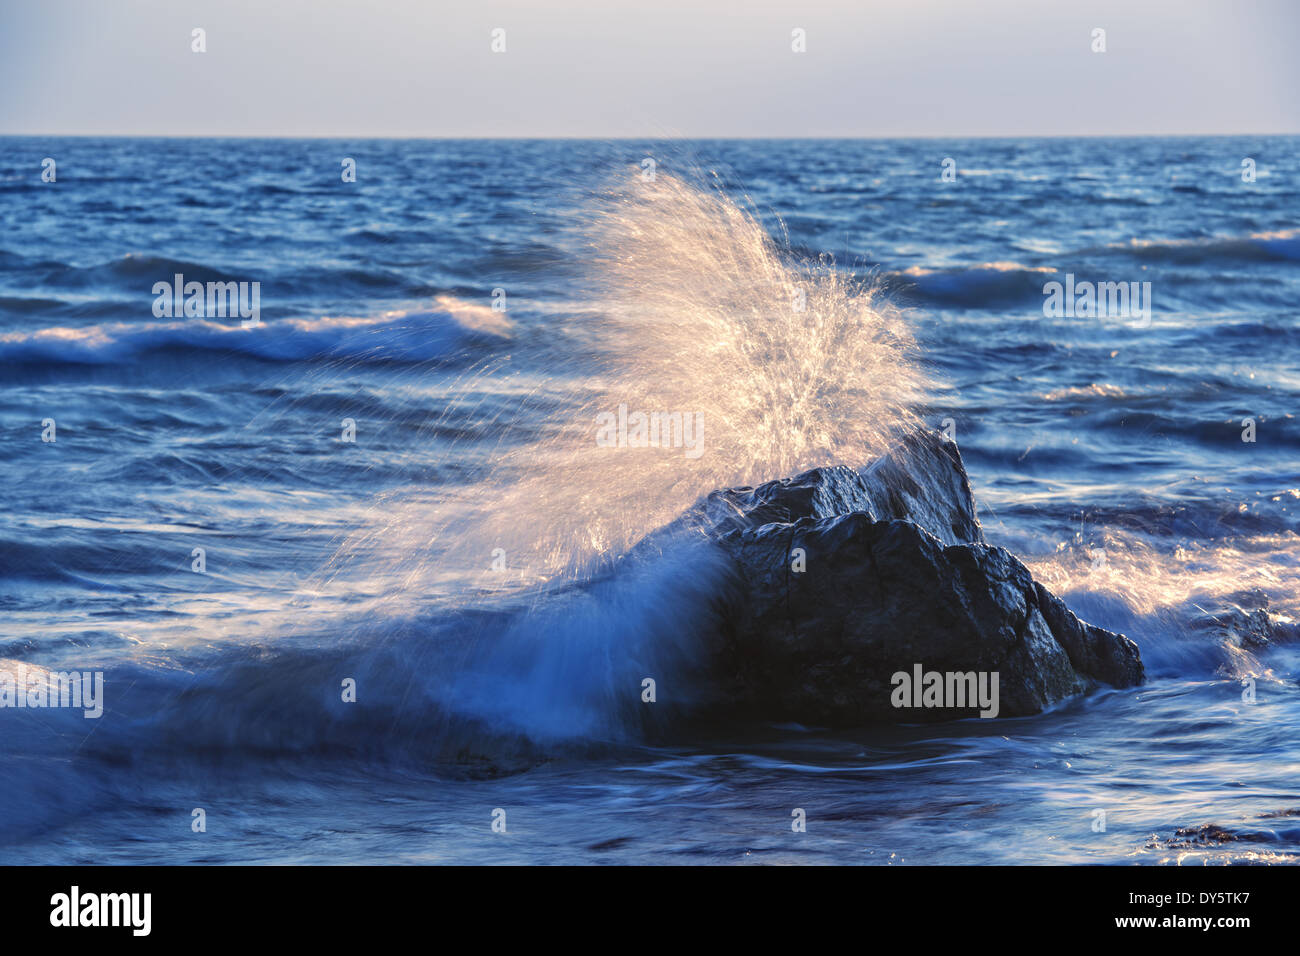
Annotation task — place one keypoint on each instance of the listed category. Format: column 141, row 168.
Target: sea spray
column 1184, row 606
column 693, row 314
column 693, row 311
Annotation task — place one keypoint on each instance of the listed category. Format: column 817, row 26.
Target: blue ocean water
column 461, row 304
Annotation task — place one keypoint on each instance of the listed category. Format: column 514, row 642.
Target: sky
column 695, row 68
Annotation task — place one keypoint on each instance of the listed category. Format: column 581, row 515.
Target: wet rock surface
column 845, row 578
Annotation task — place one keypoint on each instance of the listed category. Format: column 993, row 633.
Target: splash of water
column 693, row 312
column 1176, row 599
column 760, row 365
column 1149, row 579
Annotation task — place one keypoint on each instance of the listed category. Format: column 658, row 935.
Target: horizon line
column 619, row 138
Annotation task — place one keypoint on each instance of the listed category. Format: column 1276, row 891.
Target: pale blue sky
column 657, row 67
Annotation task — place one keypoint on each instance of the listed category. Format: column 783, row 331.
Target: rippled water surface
column 1107, row 452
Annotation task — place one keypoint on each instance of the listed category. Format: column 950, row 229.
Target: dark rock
column 845, row 578
column 923, row 481
column 1093, row 651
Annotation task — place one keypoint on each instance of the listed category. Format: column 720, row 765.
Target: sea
column 302, row 475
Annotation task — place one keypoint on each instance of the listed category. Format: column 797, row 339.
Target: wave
column 1277, row 246
column 479, row 689
column 1189, row 604
column 981, row 286
column 131, row 270
column 392, row 337
column 993, row 284
column 497, row 687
